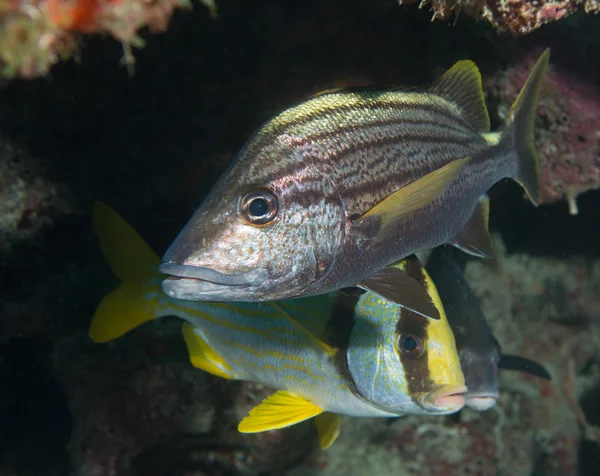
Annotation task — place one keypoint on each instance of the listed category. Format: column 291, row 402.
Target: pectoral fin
column 329, row 426
column 397, row 286
column 203, row 356
column 414, row 196
column 523, row 364
column 280, row 410
column 475, row 237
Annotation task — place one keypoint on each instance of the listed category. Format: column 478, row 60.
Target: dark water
column 152, row 145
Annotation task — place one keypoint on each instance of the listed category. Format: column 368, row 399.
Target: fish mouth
column 481, row 401
column 446, row 399
column 198, row 283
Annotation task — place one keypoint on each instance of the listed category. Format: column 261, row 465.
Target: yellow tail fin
column 136, row 300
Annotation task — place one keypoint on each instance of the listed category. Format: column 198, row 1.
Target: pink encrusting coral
column 516, row 16
column 568, row 128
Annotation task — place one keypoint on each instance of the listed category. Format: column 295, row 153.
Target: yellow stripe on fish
column 326, row 356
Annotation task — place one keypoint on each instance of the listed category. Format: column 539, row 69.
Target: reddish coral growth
column 516, row 16
column 569, row 116
column 77, row 15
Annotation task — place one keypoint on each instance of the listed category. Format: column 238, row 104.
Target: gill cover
column 281, row 258
column 380, row 374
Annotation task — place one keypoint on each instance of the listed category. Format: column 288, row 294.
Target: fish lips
column 481, row 401
column 195, row 283
column 446, row 399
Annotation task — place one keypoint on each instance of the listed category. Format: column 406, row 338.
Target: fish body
column 327, row 355
column 479, row 351
column 338, row 187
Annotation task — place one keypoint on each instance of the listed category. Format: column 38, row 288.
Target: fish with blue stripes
column 326, row 356
column 331, row 191
column 479, row 351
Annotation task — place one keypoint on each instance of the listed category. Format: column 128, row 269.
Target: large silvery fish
column 331, row 191
column 328, row 355
column 480, row 353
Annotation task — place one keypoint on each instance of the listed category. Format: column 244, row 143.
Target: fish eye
column 410, row 345
column 259, row 207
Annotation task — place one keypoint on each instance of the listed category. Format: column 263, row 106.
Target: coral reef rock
column 568, row 128
column 516, row 16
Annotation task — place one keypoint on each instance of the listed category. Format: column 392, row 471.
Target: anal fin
column 203, row 356
column 280, row 410
column 329, row 426
column 475, row 238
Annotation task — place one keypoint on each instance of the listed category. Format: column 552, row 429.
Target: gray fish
column 479, row 352
column 331, row 191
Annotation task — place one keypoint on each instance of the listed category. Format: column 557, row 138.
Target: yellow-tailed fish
column 334, row 189
column 480, row 353
column 325, row 356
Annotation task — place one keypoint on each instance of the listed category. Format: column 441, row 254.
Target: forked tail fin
column 519, row 129
column 136, row 300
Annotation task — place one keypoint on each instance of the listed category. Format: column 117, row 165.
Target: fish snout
column 481, row 401
column 205, row 284
column 446, row 399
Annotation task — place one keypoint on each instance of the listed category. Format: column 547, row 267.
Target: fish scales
column 260, row 341
column 333, row 190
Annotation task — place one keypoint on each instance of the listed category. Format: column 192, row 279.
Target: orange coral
column 75, row 15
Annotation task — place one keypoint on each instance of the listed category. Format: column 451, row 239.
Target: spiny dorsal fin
column 461, row 85
column 203, row 356
column 329, row 426
column 280, row 410
column 475, row 238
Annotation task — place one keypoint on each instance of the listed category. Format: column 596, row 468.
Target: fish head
column 403, row 362
column 261, row 234
column 481, row 376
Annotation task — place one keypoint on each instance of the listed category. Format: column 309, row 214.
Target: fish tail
column 137, row 299
column 519, row 130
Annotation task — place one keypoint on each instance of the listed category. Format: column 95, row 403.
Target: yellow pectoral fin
column 329, row 426
column 415, row 195
column 203, row 356
column 280, row 410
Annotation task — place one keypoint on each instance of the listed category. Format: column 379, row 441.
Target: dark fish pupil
column 410, row 344
column 258, row 207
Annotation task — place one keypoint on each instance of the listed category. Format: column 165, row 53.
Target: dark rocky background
column 151, row 145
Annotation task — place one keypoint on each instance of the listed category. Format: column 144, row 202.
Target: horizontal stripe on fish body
column 327, row 137
column 262, row 347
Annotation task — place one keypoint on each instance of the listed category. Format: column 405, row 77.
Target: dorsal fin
column 461, row 85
